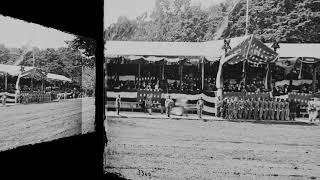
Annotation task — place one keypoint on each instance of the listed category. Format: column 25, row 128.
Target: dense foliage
column 178, row 20
column 75, row 61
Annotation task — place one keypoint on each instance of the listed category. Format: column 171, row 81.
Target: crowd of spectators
column 195, row 84
column 234, row 86
column 188, row 84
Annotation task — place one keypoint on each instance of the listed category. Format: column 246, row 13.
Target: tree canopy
column 76, row 61
column 294, row 21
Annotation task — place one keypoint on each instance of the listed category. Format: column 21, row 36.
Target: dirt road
column 190, row 149
column 34, row 123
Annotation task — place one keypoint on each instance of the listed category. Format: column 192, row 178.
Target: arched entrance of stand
column 250, row 51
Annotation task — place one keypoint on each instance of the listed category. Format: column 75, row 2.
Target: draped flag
column 252, row 50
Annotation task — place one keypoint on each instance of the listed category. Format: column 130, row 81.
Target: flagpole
column 247, row 18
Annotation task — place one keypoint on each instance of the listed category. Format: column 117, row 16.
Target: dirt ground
column 192, row 149
column 35, row 123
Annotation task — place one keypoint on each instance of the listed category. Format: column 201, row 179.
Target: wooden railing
column 34, row 97
column 7, row 98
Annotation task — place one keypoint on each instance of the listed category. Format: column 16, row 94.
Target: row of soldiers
column 255, row 108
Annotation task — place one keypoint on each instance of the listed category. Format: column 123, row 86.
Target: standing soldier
column 235, row 108
column 250, row 108
column 224, row 108
column 265, row 109
column 256, row 108
column 261, row 108
column 273, row 109
column 167, row 105
column 282, row 110
column 278, row 110
column 200, row 104
column 149, row 104
column 269, row 109
column 219, row 107
column 287, row 110
column 240, row 108
column 292, row 107
column 231, row 107
column 118, row 104
column 311, row 110
column 246, row 108
column 228, row 106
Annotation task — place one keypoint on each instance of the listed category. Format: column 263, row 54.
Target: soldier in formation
column 255, row 108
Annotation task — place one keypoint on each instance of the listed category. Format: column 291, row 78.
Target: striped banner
column 209, row 99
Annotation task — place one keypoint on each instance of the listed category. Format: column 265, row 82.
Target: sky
column 133, row 8
column 17, row 33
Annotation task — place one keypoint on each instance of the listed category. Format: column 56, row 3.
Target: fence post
column 4, row 98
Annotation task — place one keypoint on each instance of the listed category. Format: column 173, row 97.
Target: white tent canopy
column 58, row 77
column 15, row 71
column 212, row 50
column 307, row 50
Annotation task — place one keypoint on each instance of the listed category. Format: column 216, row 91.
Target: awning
column 13, row 70
column 34, row 73
column 27, row 71
column 211, row 50
column 58, row 77
column 308, row 50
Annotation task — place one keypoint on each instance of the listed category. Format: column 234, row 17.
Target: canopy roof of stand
column 30, row 71
column 211, row 50
column 169, row 51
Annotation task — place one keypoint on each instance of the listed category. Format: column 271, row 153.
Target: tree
column 124, row 29
column 87, row 47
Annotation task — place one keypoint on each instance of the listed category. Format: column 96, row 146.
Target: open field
column 141, row 148
column 34, row 123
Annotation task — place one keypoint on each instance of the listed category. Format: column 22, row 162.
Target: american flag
column 253, row 50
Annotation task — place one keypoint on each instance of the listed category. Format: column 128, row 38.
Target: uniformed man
column 270, row 102
column 246, row 108
column 287, row 110
column 261, row 109
column 240, row 108
column 200, row 105
column 224, row 108
column 250, row 108
column 282, row 110
column 168, row 104
column 256, row 108
column 219, row 107
column 292, row 107
column 149, row 104
column 235, row 108
column 118, row 104
column 228, row 108
column 273, row 109
column 311, row 110
column 265, row 109
column 231, row 107
column 278, row 109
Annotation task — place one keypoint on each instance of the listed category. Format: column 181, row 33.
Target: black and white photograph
column 47, row 84
column 212, row 89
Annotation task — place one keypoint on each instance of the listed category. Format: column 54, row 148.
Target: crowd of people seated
column 188, row 84
column 254, row 86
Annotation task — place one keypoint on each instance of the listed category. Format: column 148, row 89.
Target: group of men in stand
column 256, row 108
